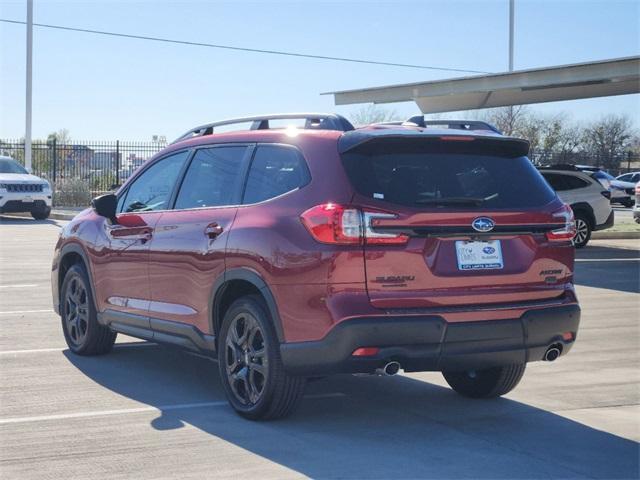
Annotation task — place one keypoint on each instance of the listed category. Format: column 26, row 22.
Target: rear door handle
column 213, row 230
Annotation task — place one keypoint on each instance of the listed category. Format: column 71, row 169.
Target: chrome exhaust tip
column 552, row 353
column 389, row 369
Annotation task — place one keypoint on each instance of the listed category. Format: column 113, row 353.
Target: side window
column 275, row 170
column 152, row 189
column 626, row 177
column 556, row 181
column 213, row 178
column 575, row 182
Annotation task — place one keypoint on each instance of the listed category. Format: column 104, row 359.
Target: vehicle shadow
column 370, row 427
column 608, row 267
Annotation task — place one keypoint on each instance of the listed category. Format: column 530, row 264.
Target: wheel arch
column 72, row 254
column 234, row 284
column 584, row 207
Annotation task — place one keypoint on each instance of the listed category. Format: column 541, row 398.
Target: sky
column 107, row 88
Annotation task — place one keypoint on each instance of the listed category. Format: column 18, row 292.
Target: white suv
column 587, row 197
column 22, row 192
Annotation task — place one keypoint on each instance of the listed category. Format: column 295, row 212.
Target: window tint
column 152, row 189
column 556, row 181
column 424, row 179
column 275, row 170
column 574, row 182
column 213, row 178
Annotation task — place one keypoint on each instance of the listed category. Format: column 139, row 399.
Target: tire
column 583, row 230
column 41, row 213
column 82, row 332
column 628, row 203
column 257, row 387
column 487, row 383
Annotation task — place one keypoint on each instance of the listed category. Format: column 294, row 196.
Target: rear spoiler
column 413, row 141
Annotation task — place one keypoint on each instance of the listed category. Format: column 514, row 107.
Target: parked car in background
column 22, row 192
column 621, row 192
column 636, row 208
column 294, row 253
column 588, row 199
column 633, row 177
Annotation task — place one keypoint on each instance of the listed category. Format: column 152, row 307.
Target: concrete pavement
column 146, row 411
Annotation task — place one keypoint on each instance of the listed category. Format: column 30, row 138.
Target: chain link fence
column 79, row 171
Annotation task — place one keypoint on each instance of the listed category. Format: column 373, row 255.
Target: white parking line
column 125, row 411
column 24, row 285
column 607, row 259
column 18, row 312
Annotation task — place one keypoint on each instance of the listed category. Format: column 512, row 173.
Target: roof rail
column 313, row 121
column 454, row 124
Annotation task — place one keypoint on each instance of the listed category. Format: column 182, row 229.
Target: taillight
column 337, row 224
column 567, row 232
column 332, row 223
column 638, row 188
column 380, row 238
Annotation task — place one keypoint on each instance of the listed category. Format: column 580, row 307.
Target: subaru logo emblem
column 489, row 250
column 483, row 224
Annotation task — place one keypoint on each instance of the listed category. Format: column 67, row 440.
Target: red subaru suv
column 289, row 253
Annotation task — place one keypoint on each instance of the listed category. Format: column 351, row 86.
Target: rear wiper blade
column 456, row 200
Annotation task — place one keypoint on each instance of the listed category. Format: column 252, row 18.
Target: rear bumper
column 607, row 224
column 423, row 343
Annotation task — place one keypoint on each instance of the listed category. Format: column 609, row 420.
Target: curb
column 615, row 235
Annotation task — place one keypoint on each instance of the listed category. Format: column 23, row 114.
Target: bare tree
column 508, row 120
column 373, row 114
column 609, row 139
column 62, row 136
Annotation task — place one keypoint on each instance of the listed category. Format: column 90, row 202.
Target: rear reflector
column 365, row 352
column 568, row 231
column 567, row 336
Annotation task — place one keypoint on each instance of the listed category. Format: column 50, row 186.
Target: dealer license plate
column 475, row 255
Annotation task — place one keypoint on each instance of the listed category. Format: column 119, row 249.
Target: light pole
column 27, row 134
column 511, row 26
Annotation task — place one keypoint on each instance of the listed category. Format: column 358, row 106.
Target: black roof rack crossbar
column 454, row 124
column 313, row 121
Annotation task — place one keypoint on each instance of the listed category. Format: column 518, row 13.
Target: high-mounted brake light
column 338, row 224
column 457, row 138
column 568, row 231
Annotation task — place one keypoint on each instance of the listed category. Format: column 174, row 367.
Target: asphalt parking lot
column 146, row 411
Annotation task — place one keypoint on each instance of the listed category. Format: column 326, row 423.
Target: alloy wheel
column 582, row 231
column 76, row 311
column 246, row 360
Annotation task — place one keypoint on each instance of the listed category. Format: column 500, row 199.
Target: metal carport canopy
column 604, row 78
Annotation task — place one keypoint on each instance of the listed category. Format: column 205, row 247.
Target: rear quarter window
column 418, row 179
column 275, row 170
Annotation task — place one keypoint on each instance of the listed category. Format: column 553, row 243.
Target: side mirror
column 105, row 206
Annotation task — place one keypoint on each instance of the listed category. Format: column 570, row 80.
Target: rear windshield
column 438, row 179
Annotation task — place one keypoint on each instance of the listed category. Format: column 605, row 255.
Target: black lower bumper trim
column 608, row 223
column 423, row 343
